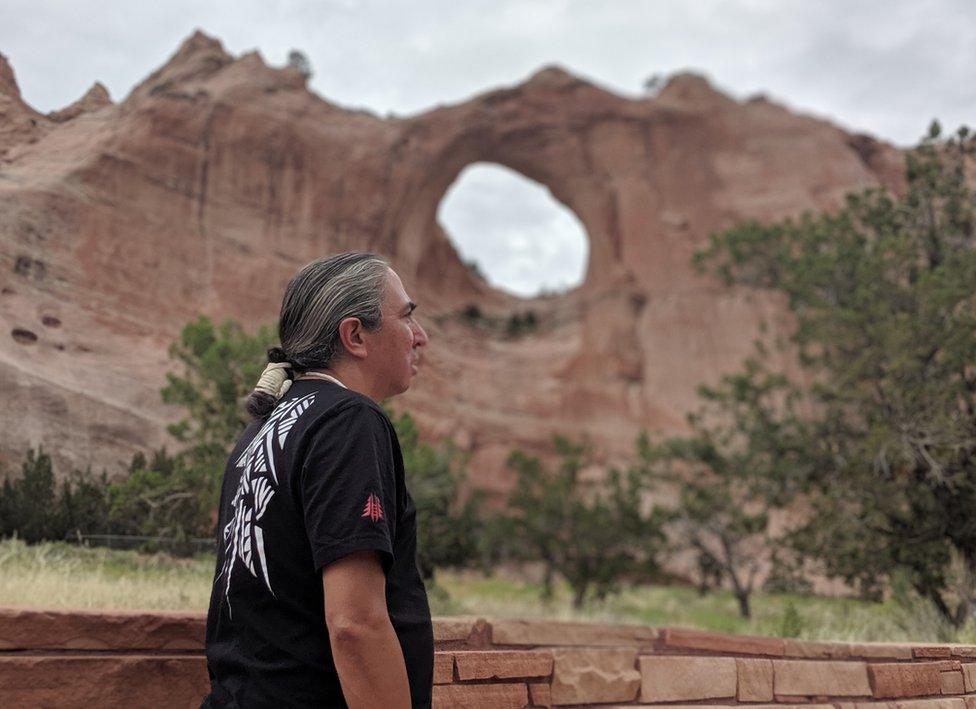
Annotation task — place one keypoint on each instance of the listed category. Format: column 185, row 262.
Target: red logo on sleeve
column 373, row 508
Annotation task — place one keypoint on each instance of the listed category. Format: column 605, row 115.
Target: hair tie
column 274, row 380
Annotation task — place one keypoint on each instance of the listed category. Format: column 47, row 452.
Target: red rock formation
column 19, row 123
column 95, row 98
column 216, row 178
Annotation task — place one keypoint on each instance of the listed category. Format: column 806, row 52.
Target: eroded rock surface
column 95, row 98
column 217, row 177
column 590, row 675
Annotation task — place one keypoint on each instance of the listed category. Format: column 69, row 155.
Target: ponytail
column 274, row 382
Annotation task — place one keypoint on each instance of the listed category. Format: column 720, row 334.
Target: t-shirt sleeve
column 349, row 486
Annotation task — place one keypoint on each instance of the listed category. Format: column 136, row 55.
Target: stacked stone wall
column 70, row 659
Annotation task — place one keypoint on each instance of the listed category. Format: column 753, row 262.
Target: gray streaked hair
column 317, row 298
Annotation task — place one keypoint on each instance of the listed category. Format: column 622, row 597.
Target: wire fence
column 180, row 546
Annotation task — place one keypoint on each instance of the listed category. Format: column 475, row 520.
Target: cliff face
column 217, row 177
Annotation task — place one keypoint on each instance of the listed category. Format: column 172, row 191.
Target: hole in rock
column 511, row 229
column 23, row 336
column 26, row 266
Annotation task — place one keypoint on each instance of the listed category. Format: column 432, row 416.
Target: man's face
column 394, row 348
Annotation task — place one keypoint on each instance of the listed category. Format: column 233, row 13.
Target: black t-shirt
column 319, row 478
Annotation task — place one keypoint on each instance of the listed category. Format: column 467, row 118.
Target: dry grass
column 57, row 575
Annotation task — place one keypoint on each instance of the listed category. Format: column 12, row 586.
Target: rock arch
column 556, row 150
column 217, row 177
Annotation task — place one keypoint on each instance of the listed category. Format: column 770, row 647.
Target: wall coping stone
column 152, row 630
column 481, row 662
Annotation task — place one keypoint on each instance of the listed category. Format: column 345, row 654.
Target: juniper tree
column 882, row 295
column 29, row 503
column 447, row 529
column 594, row 536
column 220, row 365
column 743, row 457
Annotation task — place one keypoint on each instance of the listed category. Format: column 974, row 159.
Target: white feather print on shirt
column 243, row 535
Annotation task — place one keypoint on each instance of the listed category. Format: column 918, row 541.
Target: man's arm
column 365, row 649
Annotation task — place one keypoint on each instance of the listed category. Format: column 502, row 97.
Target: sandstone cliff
column 217, row 177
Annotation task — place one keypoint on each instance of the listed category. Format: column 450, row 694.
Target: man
column 317, row 600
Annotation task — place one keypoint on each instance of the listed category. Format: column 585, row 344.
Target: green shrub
column 448, row 531
column 881, row 295
column 472, row 314
column 594, row 538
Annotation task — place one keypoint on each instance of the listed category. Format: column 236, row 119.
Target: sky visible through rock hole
column 886, row 67
column 540, row 245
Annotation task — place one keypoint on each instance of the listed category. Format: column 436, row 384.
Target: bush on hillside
column 594, row 536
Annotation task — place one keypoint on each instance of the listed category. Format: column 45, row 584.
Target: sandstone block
column 102, row 681
column 594, row 675
column 450, row 633
column 502, row 664
column 523, row 632
column 798, row 703
column 701, row 706
column 446, row 629
column 941, row 703
column 755, row 680
column 115, row 630
column 816, row 648
column 890, row 680
column 686, row 639
column 443, row 668
column 825, row 678
column 932, row 652
column 969, row 676
column 540, row 694
column 952, row 683
column 964, row 651
column 480, row 696
column 670, row 679
column 880, row 651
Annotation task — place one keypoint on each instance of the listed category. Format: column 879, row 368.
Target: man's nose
column 420, row 337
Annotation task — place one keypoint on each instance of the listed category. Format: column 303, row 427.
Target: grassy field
column 57, row 575
column 808, row 617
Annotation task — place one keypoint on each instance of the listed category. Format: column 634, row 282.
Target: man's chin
column 402, row 387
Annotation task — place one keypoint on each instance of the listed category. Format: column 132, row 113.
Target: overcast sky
column 882, row 66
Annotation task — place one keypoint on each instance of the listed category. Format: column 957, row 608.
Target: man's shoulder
column 336, row 405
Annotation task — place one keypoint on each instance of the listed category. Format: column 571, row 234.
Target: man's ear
column 351, row 335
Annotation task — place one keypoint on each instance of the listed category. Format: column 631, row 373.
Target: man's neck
column 351, row 377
